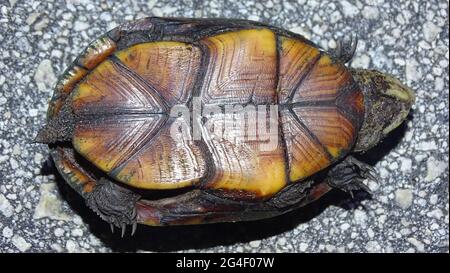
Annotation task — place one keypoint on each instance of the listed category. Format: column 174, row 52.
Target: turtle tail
column 58, row 129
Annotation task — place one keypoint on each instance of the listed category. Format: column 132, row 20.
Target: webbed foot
column 349, row 175
column 114, row 204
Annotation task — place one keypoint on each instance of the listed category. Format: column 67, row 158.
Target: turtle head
column 387, row 102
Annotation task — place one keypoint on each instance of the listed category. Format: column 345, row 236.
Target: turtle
column 183, row 121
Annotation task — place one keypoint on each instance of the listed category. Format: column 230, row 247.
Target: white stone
column 13, row 163
column 239, row 249
column 370, row 12
column 422, row 202
column 56, row 53
column 253, row 17
column 436, row 213
column 420, row 157
column 302, row 31
column 72, row 246
column 7, row 232
column 410, row 250
column 393, row 166
column 360, row 216
column 157, row 12
column 255, row 243
column 434, row 168
column 49, row 205
column 370, row 232
column 11, row 196
column 20, row 243
column 105, row 16
column 332, row 43
column 330, row 248
column 427, row 146
column 32, row 112
column 403, row 198
column 430, row 31
column 94, row 241
column 434, row 199
column 44, row 76
column 373, row 186
column 80, row 26
column 59, row 232
column 56, row 247
column 24, row 45
column 349, row 9
column 412, row 72
column 17, row 150
column 362, row 61
column 77, row 220
column 303, row 247
column 405, row 231
column 384, row 173
column 77, row 232
column 38, row 157
column 5, row 207
column 318, row 29
column 335, row 17
column 434, row 226
column 32, row 17
column 345, row 226
column 439, row 84
column 406, row 165
column 167, row 10
column 281, row 241
column 373, row 247
column 418, row 244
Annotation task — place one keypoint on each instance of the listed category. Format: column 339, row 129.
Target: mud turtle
column 166, row 121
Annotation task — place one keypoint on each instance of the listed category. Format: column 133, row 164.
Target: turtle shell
column 124, row 87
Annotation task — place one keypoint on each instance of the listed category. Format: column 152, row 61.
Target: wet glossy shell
column 123, row 86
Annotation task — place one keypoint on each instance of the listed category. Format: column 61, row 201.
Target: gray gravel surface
column 408, row 211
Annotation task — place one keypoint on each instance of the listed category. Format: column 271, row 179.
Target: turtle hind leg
column 345, row 49
column 115, row 204
column 349, row 175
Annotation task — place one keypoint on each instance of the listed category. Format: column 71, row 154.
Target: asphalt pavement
column 408, row 209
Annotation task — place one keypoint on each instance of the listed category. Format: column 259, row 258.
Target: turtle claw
column 345, row 49
column 123, row 229
column 371, row 175
column 114, row 204
column 133, row 229
column 365, row 170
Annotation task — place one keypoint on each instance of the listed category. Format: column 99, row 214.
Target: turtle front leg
column 115, row 204
column 349, row 175
column 345, row 49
